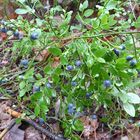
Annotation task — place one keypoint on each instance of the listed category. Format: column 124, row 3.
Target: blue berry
column 69, row 68
column 122, row 47
column 16, row 33
column 73, row 83
column 117, row 52
column 71, row 111
column 41, row 121
column 107, row 83
column 128, row 58
column 71, row 108
column 70, row 105
column 34, row 36
column 3, row 22
column 94, row 117
column 133, row 63
column 48, row 85
column 88, row 95
column 24, row 62
column 3, row 81
column 4, row 30
column 36, row 89
column 78, row 63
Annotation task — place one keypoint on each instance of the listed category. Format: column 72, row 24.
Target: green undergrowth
column 98, row 63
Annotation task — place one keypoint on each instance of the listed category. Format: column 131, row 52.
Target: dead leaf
column 13, row 113
column 14, row 134
column 57, row 107
column 90, row 127
column 56, row 62
column 5, row 118
column 32, row 134
column 55, row 127
column 41, row 56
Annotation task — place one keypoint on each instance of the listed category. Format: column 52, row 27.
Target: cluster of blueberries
column 37, row 88
column 18, row 34
column 78, row 63
column 132, row 61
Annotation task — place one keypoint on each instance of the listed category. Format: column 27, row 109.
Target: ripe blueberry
column 36, row 89
column 73, row 83
column 70, row 105
column 71, row 108
column 122, row 47
column 41, row 121
column 107, row 83
column 48, row 85
column 24, row 62
column 3, row 81
column 88, row 95
column 4, row 30
column 128, row 58
column 71, row 111
column 16, row 33
column 94, row 117
column 133, row 63
column 117, row 52
column 34, row 36
column 78, row 63
column 69, row 68
column 3, row 22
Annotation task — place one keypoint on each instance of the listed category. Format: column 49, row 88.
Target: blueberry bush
column 97, row 62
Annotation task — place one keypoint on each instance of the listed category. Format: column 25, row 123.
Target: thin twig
column 44, row 131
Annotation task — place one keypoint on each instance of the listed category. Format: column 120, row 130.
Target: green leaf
column 22, row 84
column 48, row 70
column 37, row 110
column 20, row 11
column 123, row 97
column 36, row 96
column 111, row 21
column 83, row 6
column 78, row 125
column 29, row 73
column 100, row 60
column 133, row 98
column 21, row 1
column 95, row 23
column 55, row 51
column 90, row 61
column 63, row 60
column 22, row 92
column 111, row 5
column 129, row 108
column 39, row 22
column 88, row 12
column 18, row 120
column 137, row 23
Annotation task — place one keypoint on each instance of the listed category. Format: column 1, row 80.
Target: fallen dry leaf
column 32, row 134
column 5, row 118
column 90, row 127
column 56, row 62
column 41, row 56
column 14, row 134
